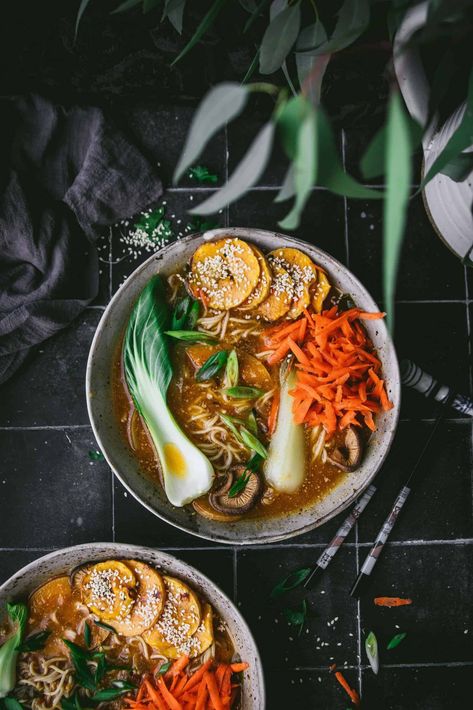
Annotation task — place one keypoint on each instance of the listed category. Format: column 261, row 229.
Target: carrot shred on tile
column 392, row 601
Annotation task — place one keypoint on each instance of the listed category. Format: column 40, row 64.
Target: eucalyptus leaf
column 126, row 5
column 212, row 366
column 174, row 12
column 204, row 25
column 372, row 163
column 245, row 175
column 251, row 69
column 311, row 37
column 331, row 173
column 288, row 188
column 255, row 13
column 352, row 20
column 460, row 167
column 288, row 120
column 305, row 169
column 371, row 648
column 279, row 38
column 220, row 105
column 82, row 8
column 461, row 139
column 149, row 5
column 398, row 183
column 310, row 73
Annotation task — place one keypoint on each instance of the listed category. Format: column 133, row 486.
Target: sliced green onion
column 243, row 392
column 293, row 580
column 396, row 640
column 193, row 315
column 191, row 336
column 228, row 420
column 179, row 315
column 232, row 369
column 371, row 648
column 240, row 484
column 252, row 424
column 252, row 442
column 211, row 366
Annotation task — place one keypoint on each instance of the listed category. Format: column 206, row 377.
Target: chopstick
column 339, row 538
column 388, row 525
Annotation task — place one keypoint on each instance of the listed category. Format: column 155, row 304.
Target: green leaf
column 205, row 24
column 331, row 173
column 12, row 704
column 95, row 455
column 202, row 174
column 100, row 669
column 149, row 5
column 352, row 20
column 211, row 366
column 371, row 648
column 163, row 669
column 372, row 163
column 252, row 442
column 35, row 642
column 461, row 139
column 460, row 167
column 255, row 14
column 220, row 105
column 396, row 640
column 18, row 613
column 174, row 12
column 87, row 635
column 232, row 369
column 191, row 336
column 180, row 313
column 126, row 5
column 242, row 392
column 251, row 69
column 311, row 37
column 398, row 185
column 288, row 189
column 103, row 625
column 254, row 462
column 193, row 315
column 245, row 175
column 82, row 672
column 305, row 169
column 310, row 72
column 279, row 38
column 293, row 580
column 82, row 8
column 289, row 119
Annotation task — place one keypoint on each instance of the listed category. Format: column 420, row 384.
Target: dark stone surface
column 51, row 495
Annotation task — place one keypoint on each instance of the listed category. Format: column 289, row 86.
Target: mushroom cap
column 347, row 455
column 244, row 500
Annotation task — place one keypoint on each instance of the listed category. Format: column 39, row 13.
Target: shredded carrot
column 351, row 692
column 177, row 667
column 273, row 413
column 214, row 694
column 391, row 601
column 339, row 378
column 155, row 696
column 239, row 667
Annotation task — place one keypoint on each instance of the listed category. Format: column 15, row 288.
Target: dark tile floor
column 53, row 495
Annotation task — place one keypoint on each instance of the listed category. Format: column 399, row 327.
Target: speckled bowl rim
column 394, row 385
column 38, row 571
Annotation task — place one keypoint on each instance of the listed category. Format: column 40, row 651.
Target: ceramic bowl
column 61, row 562
column 125, row 465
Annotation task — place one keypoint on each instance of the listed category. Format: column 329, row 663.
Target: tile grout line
column 235, row 576
column 110, row 260
column 226, row 214
column 345, row 207
column 358, row 614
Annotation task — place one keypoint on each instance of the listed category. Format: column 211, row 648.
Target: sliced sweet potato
column 204, row 636
column 252, row 371
column 261, row 290
column 224, row 272
column 319, row 291
column 303, row 272
column 149, row 602
column 55, row 606
column 108, row 589
column 172, row 634
column 279, row 300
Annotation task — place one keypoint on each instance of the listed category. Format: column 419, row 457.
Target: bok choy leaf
column 18, row 614
column 187, row 473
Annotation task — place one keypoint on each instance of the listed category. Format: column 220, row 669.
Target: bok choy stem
column 18, row 614
column 187, row 472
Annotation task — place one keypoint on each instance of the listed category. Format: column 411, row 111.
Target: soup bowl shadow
column 151, row 495
column 62, row 562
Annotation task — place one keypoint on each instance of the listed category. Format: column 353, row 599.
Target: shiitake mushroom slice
column 244, row 500
column 347, row 455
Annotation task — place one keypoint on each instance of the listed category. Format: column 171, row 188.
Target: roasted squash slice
column 172, row 634
column 224, row 273
column 200, row 352
column 303, row 272
column 253, row 372
column 204, row 636
column 108, row 589
column 279, row 300
column 319, row 292
column 149, row 602
column 55, row 606
column 261, row 290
